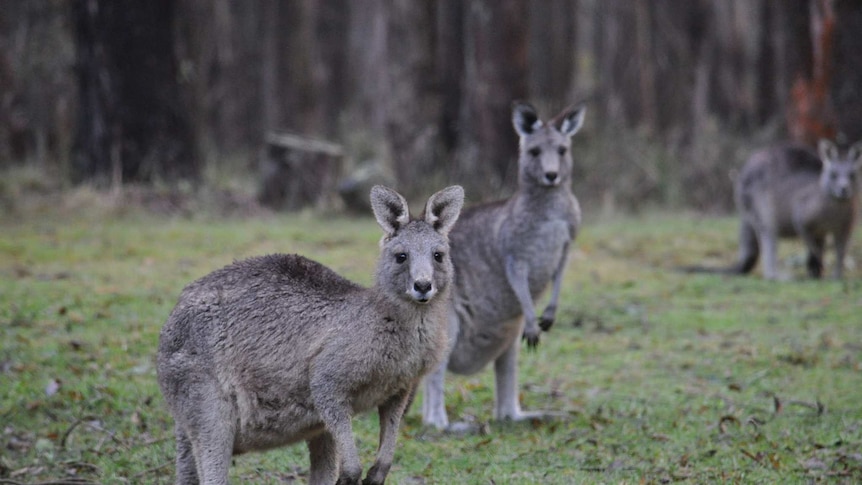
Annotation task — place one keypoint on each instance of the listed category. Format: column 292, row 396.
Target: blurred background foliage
column 183, row 93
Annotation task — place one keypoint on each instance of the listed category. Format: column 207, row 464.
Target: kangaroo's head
column 414, row 259
column 838, row 177
column 544, row 157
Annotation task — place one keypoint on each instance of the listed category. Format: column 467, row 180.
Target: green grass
column 664, row 376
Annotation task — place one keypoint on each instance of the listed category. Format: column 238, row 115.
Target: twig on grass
column 66, row 481
column 151, row 470
column 816, row 405
column 72, row 428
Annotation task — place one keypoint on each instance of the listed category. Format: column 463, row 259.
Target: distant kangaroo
column 787, row 191
column 278, row 349
column 505, row 253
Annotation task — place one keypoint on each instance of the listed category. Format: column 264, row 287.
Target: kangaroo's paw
column 532, row 337
column 546, row 322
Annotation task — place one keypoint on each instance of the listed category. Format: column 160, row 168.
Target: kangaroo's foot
column 464, row 427
column 540, row 415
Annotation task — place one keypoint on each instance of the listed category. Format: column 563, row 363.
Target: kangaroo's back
column 250, row 298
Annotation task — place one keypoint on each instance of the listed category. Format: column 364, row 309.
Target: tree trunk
column 450, row 69
column 847, row 81
column 553, row 52
column 412, row 103
column 785, row 55
column 133, row 121
column 810, row 115
column 495, row 75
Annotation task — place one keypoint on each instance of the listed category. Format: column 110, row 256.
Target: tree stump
column 298, row 172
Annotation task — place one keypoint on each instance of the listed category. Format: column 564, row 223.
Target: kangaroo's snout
column 551, row 177
column 841, row 192
column 838, row 185
column 423, row 290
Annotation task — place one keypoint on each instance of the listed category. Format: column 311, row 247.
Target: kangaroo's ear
column 827, row 151
column 443, row 208
column 524, row 118
column 390, row 209
column 570, row 121
column 854, row 154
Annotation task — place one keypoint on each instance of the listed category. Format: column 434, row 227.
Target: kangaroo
column 505, row 254
column 788, row 191
column 279, row 349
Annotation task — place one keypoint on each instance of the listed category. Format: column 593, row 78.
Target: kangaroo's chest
column 540, row 245
column 810, row 211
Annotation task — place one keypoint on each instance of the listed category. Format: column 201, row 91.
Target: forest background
column 184, row 92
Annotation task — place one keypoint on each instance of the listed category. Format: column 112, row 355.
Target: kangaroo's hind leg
column 187, row 473
column 324, row 459
column 768, row 240
column 210, row 431
column 814, row 263
column 815, row 242
column 506, row 402
column 749, row 248
column 841, row 238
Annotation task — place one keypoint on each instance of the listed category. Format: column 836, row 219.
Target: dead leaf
column 52, row 387
column 722, row 423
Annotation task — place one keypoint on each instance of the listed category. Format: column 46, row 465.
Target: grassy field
column 665, row 377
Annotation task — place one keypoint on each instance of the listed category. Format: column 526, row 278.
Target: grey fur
column 505, row 255
column 279, row 349
column 788, row 191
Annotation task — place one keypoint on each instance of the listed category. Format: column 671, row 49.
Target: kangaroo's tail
column 729, row 270
column 743, row 266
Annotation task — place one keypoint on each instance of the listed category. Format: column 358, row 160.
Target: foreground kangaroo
column 279, row 349
column 505, row 253
column 787, row 191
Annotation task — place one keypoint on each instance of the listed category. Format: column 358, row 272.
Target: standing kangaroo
column 787, row 191
column 505, row 253
column 279, row 349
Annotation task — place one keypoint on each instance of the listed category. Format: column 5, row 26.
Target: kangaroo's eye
column 561, row 151
column 438, row 256
column 400, row 258
column 535, row 152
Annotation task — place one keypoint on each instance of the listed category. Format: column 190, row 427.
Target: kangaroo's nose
column 422, row 286
column 551, row 176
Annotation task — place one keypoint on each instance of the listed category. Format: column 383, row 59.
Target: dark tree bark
column 412, row 102
column 330, row 66
column 676, row 31
column 785, row 55
column 220, row 46
column 450, row 69
column 292, row 95
column 615, row 45
column 133, row 120
column 811, row 115
column 552, row 52
column 495, row 75
column 846, row 86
